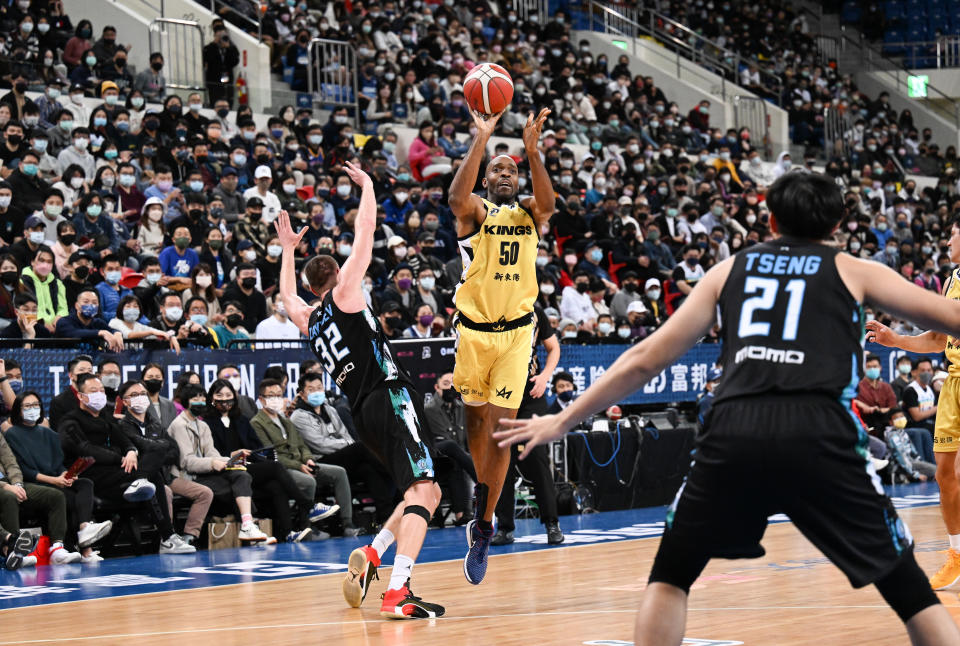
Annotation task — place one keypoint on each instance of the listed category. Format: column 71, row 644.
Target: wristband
column 18, row 484
column 3, row 379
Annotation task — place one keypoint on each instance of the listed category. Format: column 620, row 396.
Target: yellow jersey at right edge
column 952, row 351
column 499, row 280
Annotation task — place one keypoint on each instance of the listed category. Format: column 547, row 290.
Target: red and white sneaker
column 401, row 604
column 361, row 570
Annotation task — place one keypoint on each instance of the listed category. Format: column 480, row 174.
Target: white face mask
column 547, row 289
column 31, row 415
column 400, row 252
column 250, row 255
column 273, row 404
column 139, row 404
column 235, row 382
column 96, row 401
column 204, row 281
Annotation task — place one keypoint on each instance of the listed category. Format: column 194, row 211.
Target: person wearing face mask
column 402, row 290
column 328, row 438
column 392, row 320
column 117, row 474
column 37, row 459
column 40, row 278
column 274, row 429
column 84, row 322
column 127, row 321
column 423, row 323
column 628, row 293
column 244, row 291
column 109, row 289
column 270, row 203
column 276, row 326
column 575, row 302
column 919, row 399
column 398, row 205
column 652, row 300
column 220, row 57
column 26, row 185
column 11, row 217
column 875, row 397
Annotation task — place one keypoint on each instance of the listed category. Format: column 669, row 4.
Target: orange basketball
column 488, row 88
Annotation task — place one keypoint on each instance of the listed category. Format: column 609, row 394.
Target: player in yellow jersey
column 498, row 238
column 946, row 436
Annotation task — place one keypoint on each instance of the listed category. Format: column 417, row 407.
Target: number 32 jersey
column 789, row 325
column 353, row 350
column 499, row 280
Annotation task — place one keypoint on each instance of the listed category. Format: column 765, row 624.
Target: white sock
column 382, row 542
column 954, row 541
column 402, row 567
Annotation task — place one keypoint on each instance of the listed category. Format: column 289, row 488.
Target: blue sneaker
column 475, row 562
column 321, row 511
column 298, row 536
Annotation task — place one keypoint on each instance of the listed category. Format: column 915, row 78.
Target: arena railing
column 181, row 43
column 332, row 71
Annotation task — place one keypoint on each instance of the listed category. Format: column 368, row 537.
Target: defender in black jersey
column 781, row 436
column 350, row 343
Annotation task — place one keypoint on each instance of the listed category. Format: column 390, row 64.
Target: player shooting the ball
column 498, row 237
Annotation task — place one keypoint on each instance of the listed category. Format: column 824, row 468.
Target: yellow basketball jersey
column 952, row 351
column 499, row 280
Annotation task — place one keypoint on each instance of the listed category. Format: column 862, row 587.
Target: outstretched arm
column 544, row 199
column 466, row 206
column 635, row 367
column 297, row 310
column 348, row 294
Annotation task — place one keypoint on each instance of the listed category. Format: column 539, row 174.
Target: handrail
column 700, row 53
column 255, row 18
column 233, row 343
column 946, row 106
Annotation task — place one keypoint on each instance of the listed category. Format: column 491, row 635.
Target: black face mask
column 565, row 396
column 248, row 283
column 223, row 405
column 196, row 214
column 630, row 288
column 82, row 272
column 20, row 87
column 14, row 140
column 151, row 124
column 197, row 408
column 395, row 322
column 263, row 159
column 175, row 109
column 255, row 215
column 449, row 395
column 582, row 287
column 234, row 320
column 10, row 278
column 153, row 386
column 156, row 66
column 67, row 240
column 223, row 112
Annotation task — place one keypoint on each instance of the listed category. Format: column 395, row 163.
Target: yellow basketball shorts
column 493, row 367
column 946, row 434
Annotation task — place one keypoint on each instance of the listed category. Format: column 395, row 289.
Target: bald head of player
column 502, row 180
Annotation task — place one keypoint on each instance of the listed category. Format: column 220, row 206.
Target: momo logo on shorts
column 507, row 230
column 503, row 392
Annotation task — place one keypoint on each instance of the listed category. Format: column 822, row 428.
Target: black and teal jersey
column 789, row 324
column 353, row 350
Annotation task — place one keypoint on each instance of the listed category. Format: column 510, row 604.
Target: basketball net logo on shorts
column 503, row 392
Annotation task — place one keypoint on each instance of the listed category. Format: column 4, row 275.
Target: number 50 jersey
column 789, row 325
column 499, row 280
column 353, row 350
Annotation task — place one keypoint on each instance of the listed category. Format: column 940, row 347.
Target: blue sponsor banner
column 46, row 370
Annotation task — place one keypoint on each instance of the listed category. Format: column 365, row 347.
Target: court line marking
column 429, row 621
column 330, row 574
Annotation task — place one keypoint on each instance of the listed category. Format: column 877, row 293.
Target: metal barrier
column 948, row 51
column 838, row 132
column 828, row 48
column 332, row 76
column 181, row 43
column 751, row 112
column 532, row 10
column 245, row 14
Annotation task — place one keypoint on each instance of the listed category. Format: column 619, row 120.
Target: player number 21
column 765, row 300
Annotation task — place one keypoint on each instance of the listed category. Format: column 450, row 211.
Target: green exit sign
column 622, row 44
column 917, row 86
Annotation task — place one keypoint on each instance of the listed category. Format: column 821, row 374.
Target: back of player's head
column 321, row 273
column 805, row 205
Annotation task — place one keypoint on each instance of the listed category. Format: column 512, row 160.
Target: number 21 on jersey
column 327, row 345
column 768, row 291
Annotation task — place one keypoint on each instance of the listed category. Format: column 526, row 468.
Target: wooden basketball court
column 581, row 594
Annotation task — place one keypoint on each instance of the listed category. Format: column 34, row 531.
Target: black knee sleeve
column 677, row 564
column 906, row 589
column 419, row 511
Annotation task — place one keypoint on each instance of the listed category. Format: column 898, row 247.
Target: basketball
column 488, row 88
column 614, row 413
